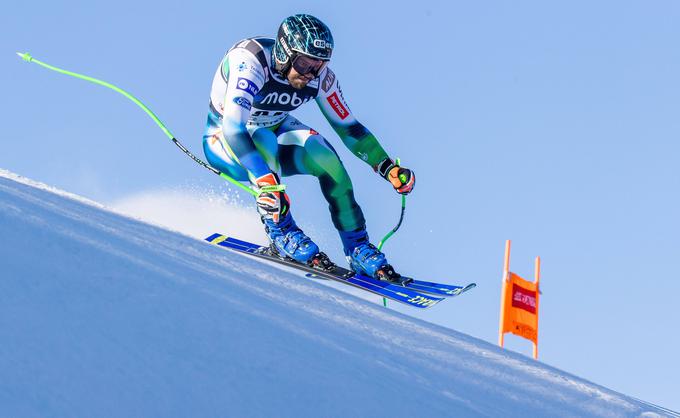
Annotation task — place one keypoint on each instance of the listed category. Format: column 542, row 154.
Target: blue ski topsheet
column 411, row 297
column 439, row 289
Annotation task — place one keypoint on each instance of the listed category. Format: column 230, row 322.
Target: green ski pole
column 28, row 58
column 401, row 219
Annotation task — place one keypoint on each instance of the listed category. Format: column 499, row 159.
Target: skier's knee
column 325, row 157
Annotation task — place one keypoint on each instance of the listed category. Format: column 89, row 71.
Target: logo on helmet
column 320, row 43
column 285, row 46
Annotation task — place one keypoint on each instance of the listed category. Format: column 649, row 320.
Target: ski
column 439, row 289
column 385, row 289
column 417, row 293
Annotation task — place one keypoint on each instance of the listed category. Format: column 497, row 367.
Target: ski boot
column 364, row 258
column 288, row 240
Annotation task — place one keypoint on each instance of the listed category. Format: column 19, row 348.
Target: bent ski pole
column 401, row 219
column 28, row 58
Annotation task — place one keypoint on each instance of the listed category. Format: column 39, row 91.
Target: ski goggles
column 306, row 65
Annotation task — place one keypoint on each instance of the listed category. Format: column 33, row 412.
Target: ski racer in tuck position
column 252, row 136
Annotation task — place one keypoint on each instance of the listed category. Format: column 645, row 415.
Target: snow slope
column 103, row 315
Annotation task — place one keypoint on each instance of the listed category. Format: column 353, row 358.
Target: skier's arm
column 245, row 78
column 357, row 138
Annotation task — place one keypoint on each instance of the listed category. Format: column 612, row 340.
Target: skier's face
column 297, row 80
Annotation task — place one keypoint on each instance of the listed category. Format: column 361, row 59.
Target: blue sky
column 551, row 124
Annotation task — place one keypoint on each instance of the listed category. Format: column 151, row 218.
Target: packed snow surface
column 104, row 315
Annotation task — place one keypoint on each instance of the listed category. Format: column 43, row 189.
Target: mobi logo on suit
column 285, row 99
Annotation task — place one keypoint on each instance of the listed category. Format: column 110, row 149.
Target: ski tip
column 216, row 239
column 212, row 237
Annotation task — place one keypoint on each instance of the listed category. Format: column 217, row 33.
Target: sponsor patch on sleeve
column 243, row 102
column 337, row 105
column 247, row 86
column 253, row 69
column 328, row 81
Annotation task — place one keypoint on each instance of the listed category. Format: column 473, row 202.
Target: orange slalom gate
column 519, row 304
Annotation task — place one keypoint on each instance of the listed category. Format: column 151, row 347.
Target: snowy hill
column 103, row 315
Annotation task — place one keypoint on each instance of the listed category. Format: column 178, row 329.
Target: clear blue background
column 554, row 125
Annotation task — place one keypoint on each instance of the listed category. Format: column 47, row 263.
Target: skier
column 251, row 136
